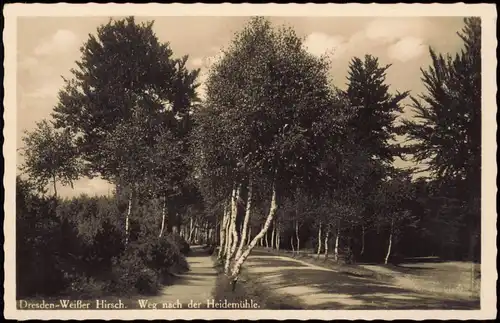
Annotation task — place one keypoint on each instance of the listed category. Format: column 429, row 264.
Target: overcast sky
column 48, row 48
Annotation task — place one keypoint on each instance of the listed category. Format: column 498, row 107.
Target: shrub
column 86, row 287
column 131, row 275
column 77, row 246
column 146, row 264
column 180, row 242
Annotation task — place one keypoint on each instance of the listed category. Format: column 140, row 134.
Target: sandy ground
column 196, row 285
column 321, row 288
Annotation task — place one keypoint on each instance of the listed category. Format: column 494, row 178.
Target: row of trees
column 275, row 152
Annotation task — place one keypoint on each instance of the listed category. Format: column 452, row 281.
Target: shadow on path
column 324, row 288
column 196, row 285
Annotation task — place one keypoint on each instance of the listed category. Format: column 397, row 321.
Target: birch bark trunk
column 297, row 235
column 232, row 231
column 222, row 239
column 319, row 240
column 163, row 216
column 127, row 218
column 390, row 243
column 327, row 235
column 337, row 240
column 245, row 221
column 272, row 212
column 273, row 233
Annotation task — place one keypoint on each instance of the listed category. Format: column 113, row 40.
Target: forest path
column 196, row 285
column 316, row 287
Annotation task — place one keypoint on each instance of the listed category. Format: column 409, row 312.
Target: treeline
column 273, row 156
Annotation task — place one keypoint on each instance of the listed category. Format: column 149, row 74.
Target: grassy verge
column 448, row 279
column 348, row 269
column 249, row 289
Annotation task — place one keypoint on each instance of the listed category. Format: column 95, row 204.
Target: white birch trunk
column 278, row 237
column 319, row 239
column 127, row 218
column 232, row 230
column 163, row 216
column 337, row 240
column 291, row 242
column 222, row 237
column 390, row 243
column 327, row 235
column 249, row 235
column 272, row 212
column 245, row 221
column 191, row 230
column 273, row 234
column 235, row 217
column 297, row 235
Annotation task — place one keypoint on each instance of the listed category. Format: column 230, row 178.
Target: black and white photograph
column 257, row 162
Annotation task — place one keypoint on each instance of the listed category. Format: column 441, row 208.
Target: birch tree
column 269, row 96
column 50, row 156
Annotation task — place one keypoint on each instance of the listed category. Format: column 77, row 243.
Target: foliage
column 375, row 109
column 76, row 246
column 50, row 156
column 446, row 133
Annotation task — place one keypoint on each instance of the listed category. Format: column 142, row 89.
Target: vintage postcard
column 250, row 161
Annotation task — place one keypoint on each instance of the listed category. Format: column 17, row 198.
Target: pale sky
column 49, row 46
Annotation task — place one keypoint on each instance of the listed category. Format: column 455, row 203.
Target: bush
column 86, row 287
column 146, row 264
column 131, row 275
column 77, row 247
column 180, row 242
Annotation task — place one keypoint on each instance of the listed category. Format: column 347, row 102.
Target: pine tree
column 446, row 132
column 375, row 109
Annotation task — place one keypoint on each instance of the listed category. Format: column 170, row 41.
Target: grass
column 249, row 289
column 445, row 278
column 309, row 257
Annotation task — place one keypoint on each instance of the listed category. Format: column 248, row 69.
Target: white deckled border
column 488, row 265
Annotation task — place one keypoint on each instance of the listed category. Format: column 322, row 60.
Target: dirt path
column 196, row 285
column 321, row 288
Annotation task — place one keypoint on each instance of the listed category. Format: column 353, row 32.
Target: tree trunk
column 261, row 242
column 232, row 230
column 191, row 230
column 327, row 235
column 206, row 232
column 55, row 186
column 249, row 235
column 239, row 262
column 319, row 240
column 278, row 237
column 297, row 235
column 127, row 218
column 266, row 240
column 222, row 232
column 291, row 243
column 245, row 221
column 163, row 216
column 273, row 234
column 337, row 240
column 362, row 239
column 175, row 227
column 390, row 243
